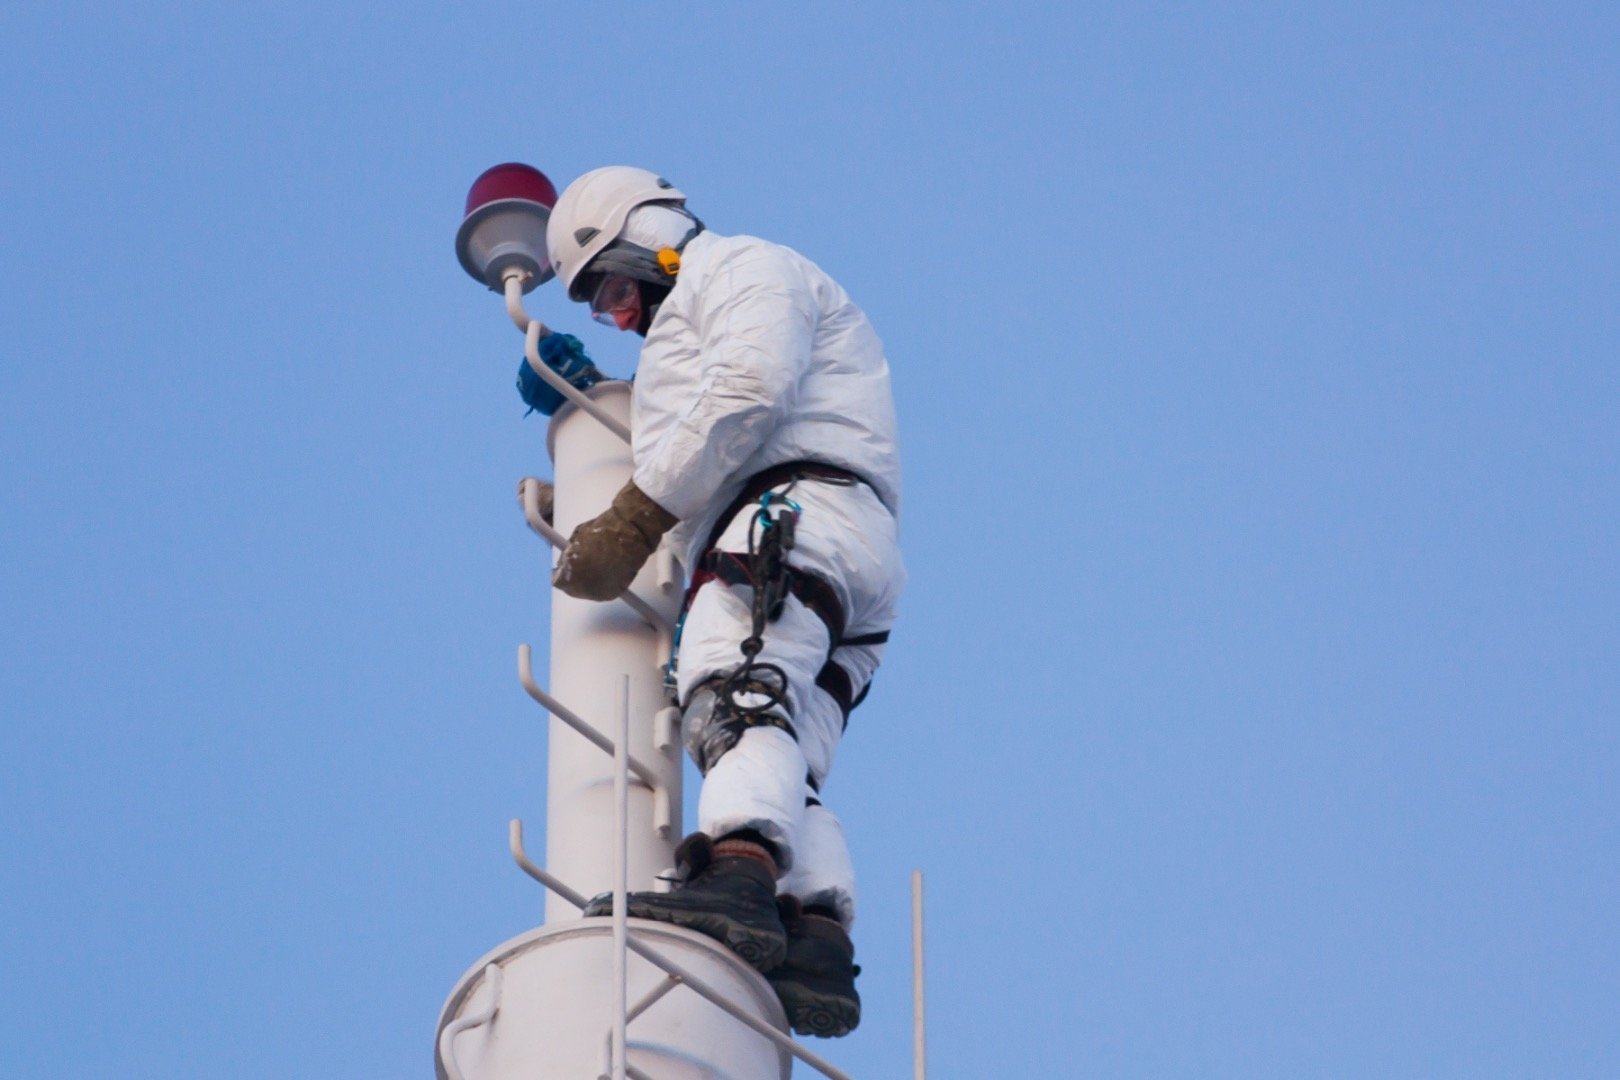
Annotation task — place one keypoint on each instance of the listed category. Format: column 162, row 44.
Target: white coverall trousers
column 849, row 539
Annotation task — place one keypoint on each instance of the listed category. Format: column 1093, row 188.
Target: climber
column 763, row 442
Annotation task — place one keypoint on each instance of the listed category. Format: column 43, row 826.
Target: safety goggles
column 617, row 302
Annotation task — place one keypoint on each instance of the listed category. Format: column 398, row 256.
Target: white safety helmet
column 591, row 215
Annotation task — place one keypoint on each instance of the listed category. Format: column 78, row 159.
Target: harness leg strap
column 710, row 726
column 730, row 568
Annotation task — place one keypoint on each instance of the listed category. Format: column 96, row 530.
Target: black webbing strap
column 774, row 477
column 731, row 567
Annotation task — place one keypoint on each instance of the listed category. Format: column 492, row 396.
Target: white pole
column 594, row 648
column 919, row 1046
column 621, row 860
column 532, row 1008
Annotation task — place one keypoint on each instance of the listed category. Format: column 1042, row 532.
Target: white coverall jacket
column 758, row 358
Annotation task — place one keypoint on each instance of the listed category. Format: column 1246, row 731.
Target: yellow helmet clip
column 670, row 260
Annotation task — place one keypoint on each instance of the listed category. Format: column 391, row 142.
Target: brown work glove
column 604, row 553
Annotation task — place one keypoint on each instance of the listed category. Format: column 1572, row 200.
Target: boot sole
column 824, row 1015
column 760, row 947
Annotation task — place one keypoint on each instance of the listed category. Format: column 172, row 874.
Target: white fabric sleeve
column 755, row 324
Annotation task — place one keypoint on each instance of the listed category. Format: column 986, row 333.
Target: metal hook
column 573, row 719
column 447, row 1038
column 514, row 842
column 531, row 351
column 531, row 513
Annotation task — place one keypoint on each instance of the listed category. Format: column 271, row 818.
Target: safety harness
column 764, row 570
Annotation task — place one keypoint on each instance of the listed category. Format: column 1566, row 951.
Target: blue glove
column 564, row 354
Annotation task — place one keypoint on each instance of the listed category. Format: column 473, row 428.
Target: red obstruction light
column 505, row 226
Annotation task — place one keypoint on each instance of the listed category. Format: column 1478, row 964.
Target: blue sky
column 1252, row 712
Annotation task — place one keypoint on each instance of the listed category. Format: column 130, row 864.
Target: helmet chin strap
column 653, row 295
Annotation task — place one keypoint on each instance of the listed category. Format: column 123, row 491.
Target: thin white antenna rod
column 621, row 860
column 919, row 1047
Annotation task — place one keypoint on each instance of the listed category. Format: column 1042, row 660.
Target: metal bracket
column 530, row 494
column 447, row 1038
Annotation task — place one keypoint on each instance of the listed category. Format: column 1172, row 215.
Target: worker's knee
column 711, row 725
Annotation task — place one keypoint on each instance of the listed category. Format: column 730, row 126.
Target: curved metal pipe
column 533, row 330
column 513, row 282
column 447, row 1037
column 573, row 719
column 514, row 842
column 529, row 499
column 544, row 528
column 531, row 351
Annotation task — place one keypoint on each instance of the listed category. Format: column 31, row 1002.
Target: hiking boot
column 730, row 898
column 817, row 980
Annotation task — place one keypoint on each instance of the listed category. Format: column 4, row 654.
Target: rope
column 770, row 538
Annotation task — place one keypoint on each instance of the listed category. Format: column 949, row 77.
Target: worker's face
column 617, row 302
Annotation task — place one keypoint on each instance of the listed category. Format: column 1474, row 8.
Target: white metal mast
column 547, row 1003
